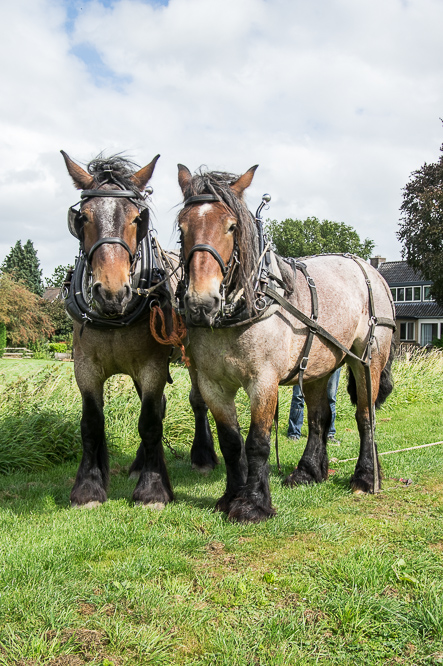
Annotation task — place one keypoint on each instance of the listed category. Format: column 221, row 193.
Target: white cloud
column 337, row 101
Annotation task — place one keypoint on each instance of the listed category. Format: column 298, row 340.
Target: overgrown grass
column 334, row 578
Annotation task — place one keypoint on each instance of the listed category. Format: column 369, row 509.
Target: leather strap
column 128, row 194
column 201, row 198
column 206, row 248
column 111, row 241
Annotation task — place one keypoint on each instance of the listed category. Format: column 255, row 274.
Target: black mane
column 218, row 183
column 114, row 169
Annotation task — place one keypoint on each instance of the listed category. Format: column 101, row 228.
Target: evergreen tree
column 22, row 262
column 58, row 277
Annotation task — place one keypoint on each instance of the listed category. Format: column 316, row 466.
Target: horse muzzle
column 111, row 304
column 201, row 310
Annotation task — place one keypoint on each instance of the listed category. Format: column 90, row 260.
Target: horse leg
column 203, row 456
column 93, row 473
column 362, row 481
column 313, row 465
column 153, row 487
column 253, row 501
column 221, row 402
column 139, row 461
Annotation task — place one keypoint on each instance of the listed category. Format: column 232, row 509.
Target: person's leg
column 296, row 413
column 332, row 397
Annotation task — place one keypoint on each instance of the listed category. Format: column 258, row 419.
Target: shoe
column 332, row 440
column 293, row 438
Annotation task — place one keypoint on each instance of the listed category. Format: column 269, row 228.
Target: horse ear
column 141, row 178
column 82, row 179
column 244, row 181
column 184, row 177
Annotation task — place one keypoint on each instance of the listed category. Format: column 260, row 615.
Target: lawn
column 334, row 578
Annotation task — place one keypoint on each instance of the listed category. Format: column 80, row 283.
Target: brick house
column 419, row 317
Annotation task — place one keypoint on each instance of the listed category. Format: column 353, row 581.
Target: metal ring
column 154, row 303
column 258, row 301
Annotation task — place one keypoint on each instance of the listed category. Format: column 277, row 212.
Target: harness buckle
column 304, row 363
column 311, row 282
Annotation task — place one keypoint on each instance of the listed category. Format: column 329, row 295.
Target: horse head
column 112, row 221
column 216, row 235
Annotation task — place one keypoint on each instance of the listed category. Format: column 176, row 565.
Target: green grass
column 334, row 578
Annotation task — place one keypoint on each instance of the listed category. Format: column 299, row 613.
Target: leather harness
column 268, row 293
column 149, row 272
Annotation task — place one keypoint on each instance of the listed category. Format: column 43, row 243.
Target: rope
column 386, row 453
column 177, row 335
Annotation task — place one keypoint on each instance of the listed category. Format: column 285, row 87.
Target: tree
column 58, row 276
column 60, row 320
column 302, row 238
column 2, row 338
column 22, row 262
column 22, row 312
column 421, row 225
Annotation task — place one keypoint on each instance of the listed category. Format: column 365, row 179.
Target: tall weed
column 40, row 413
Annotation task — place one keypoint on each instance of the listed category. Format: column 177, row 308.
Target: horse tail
column 386, row 381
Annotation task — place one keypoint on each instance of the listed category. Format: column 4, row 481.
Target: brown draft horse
column 220, row 249
column 110, row 337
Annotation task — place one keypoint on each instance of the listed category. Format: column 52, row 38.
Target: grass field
column 333, row 579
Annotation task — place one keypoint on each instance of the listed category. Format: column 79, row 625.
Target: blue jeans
column 297, row 407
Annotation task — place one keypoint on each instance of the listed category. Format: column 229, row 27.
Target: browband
column 201, row 198
column 109, row 193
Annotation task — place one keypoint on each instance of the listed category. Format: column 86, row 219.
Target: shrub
column 58, row 347
column 2, row 338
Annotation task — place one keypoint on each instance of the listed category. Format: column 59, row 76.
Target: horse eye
column 232, row 228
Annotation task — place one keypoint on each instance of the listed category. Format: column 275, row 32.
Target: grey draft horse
column 239, row 336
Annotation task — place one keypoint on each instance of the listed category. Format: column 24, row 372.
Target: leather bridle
column 204, row 247
column 75, row 219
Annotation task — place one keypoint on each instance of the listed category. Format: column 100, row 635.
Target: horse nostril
column 125, row 294
column 201, row 309
column 98, row 292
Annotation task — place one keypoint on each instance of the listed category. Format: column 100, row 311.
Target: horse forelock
column 219, row 184
column 114, row 169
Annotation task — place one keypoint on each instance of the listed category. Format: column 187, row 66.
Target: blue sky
column 338, row 102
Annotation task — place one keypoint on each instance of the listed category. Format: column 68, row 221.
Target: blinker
column 74, row 222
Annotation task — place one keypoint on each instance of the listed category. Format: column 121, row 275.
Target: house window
column 428, row 333
column 409, row 294
column 427, row 293
column 407, row 331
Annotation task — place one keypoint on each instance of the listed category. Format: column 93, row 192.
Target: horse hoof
column 88, row 505
column 135, row 475
column 298, row 478
column 358, row 491
column 243, row 511
column 202, row 469
column 154, row 506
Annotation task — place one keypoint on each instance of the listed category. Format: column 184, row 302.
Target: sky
column 338, row 101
